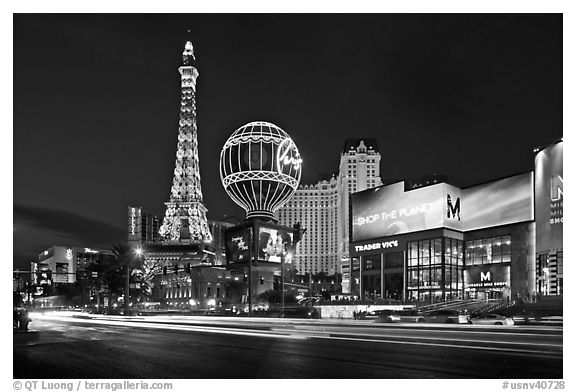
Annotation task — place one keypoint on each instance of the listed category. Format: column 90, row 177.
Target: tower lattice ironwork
column 185, row 219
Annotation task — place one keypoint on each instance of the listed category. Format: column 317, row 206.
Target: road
column 81, row 346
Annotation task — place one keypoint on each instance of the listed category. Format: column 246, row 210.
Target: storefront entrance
column 489, row 294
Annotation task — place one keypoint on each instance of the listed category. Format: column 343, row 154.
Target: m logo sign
column 485, row 276
column 452, row 210
column 556, row 188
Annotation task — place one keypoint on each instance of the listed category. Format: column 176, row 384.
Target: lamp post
column 287, row 258
column 282, row 286
column 138, row 251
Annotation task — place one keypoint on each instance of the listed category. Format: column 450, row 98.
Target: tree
column 144, row 271
column 141, row 272
column 108, row 273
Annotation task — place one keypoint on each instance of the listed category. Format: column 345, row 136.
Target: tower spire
column 185, row 219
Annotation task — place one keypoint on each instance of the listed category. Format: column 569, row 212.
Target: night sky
column 96, row 104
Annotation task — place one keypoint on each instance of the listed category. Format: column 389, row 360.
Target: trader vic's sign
column 376, row 246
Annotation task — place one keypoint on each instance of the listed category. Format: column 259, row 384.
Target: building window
column 435, row 269
column 488, row 251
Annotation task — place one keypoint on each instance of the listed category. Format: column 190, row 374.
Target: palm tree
column 130, row 262
column 142, row 271
column 108, row 275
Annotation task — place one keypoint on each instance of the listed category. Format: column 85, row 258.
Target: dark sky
column 96, row 104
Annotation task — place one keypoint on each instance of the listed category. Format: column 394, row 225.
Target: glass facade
column 453, row 268
column 486, row 275
column 371, row 276
column 394, row 275
column 435, row 269
column 488, row 251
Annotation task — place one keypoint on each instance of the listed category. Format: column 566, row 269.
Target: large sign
column 390, row 210
column 274, row 244
column 487, row 275
column 287, row 155
column 134, row 223
column 497, row 203
column 238, row 245
column 266, row 243
column 376, row 246
column 549, row 187
column 345, row 278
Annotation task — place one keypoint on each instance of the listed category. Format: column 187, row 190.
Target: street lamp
column 287, row 258
column 138, row 251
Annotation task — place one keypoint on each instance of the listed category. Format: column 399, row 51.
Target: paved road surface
column 207, row 347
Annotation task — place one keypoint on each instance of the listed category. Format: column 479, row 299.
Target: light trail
column 299, row 332
column 452, row 339
column 501, row 349
column 180, row 327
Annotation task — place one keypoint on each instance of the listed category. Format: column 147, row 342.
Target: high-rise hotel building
column 323, row 208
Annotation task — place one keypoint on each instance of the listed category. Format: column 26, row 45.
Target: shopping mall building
column 497, row 240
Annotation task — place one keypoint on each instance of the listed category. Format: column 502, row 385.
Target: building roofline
column 545, row 146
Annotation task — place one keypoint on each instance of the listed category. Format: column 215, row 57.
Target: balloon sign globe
column 260, row 168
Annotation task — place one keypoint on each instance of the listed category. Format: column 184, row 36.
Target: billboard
column 346, row 279
column 549, row 187
column 275, row 243
column 390, row 210
column 497, row 203
column 238, row 245
column 264, row 243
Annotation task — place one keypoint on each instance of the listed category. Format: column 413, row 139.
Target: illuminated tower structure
column 185, row 219
column 181, row 261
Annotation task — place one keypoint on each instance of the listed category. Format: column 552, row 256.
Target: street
column 88, row 346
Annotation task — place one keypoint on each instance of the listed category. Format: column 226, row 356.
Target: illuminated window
column 488, row 251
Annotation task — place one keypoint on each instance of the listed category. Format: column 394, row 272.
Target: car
column 301, row 312
column 385, row 316
column 491, row 319
column 400, row 316
column 446, row 316
column 410, row 316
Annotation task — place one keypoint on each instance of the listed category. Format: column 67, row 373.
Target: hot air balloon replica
column 260, row 169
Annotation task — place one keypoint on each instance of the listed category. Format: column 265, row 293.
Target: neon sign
column 133, row 221
column 556, row 188
column 491, row 275
column 393, row 214
column 69, row 254
column 282, row 157
column 556, row 200
column 376, row 246
column 239, row 240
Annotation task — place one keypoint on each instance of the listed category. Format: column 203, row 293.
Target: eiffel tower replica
column 180, row 264
column 185, row 220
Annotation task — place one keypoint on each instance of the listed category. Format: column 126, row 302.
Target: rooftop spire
column 188, row 54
